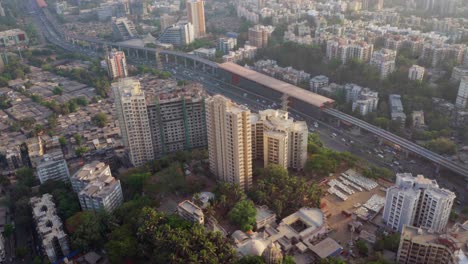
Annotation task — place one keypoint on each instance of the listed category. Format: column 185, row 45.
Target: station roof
column 277, row 85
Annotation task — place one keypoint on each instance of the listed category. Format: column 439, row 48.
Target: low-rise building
column 318, row 82
column 396, row 108
column 205, row 53
column 180, row 34
column 190, row 212
column 459, row 72
column 416, row 73
column 52, row 166
column 53, row 240
column 97, row 189
column 462, row 96
column 418, row 119
column 13, row 38
column 226, row 44
column 123, row 29
column 264, row 217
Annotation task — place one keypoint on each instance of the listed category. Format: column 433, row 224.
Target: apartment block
column 116, row 64
column 396, row 108
column 318, row 82
column 462, row 96
column 226, row 44
column 417, row 201
column 384, row 61
column 259, row 34
column 177, row 117
column 190, row 212
column 416, row 73
column 53, row 240
column 278, row 139
column 97, row 189
column 421, row 245
column 130, row 105
column 52, row 166
column 344, row 49
column 229, row 141
column 196, row 16
column 363, row 100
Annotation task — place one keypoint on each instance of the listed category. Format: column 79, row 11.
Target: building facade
column 130, row 105
column 420, row 245
column 180, row 34
column 116, row 64
column 196, row 16
column 229, row 141
column 97, row 189
column 190, row 212
column 177, row 119
column 13, row 38
column 52, row 166
column 226, row 44
column 462, row 96
column 258, row 35
column 417, row 201
column 384, row 61
column 416, row 73
column 53, row 240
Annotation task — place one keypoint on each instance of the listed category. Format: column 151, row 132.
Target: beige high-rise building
column 277, row 139
column 259, row 34
column 130, row 105
column 229, row 141
column 196, row 16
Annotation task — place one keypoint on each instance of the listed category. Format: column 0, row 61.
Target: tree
column 251, row 260
column 77, row 138
column 21, row 252
column 289, row 260
column 442, row 146
column 81, row 150
column 26, row 176
column 243, row 214
column 90, row 231
column 388, row 242
column 57, row 90
column 122, row 244
column 62, row 141
column 283, row 193
column 8, row 231
column 362, row 247
column 100, row 119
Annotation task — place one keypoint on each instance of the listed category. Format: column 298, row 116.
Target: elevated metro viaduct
column 278, row 91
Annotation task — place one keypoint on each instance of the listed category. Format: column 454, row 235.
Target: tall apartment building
column 180, row 34
column 130, row 105
column 53, row 239
column 52, row 166
column 417, row 201
column 177, row 118
column 196, row 16
column 416, row 73
column 277, row 139
column 116, row 64
column 420, row 245
column 2, row 10
column 258, row 35
column 384, row 61
column 229, row 141
column 97, row 189
column 462, row 96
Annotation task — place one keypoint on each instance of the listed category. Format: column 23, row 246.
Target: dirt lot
column 339, row 222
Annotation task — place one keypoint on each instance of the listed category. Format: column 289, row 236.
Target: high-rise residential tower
column 116, row 64
column 417, row 201
column 130, row 105
column 196, row 16
column 384, row 61
column 229, row 141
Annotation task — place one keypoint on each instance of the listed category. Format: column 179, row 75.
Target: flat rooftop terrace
column 277, row 85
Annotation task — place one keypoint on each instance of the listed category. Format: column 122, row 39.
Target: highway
column 45, row 24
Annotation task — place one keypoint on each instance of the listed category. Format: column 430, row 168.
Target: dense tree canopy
column 243, row 214
column 284, row 193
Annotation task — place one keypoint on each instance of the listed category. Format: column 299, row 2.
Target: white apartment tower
column 416, row 72
column 116, row 64
column 462, row 96
column 97, row 189
column 384, row 61
column 277, row 139
column 130, row 105
column 417, row 201
column 229, row 141
column 196, row 16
